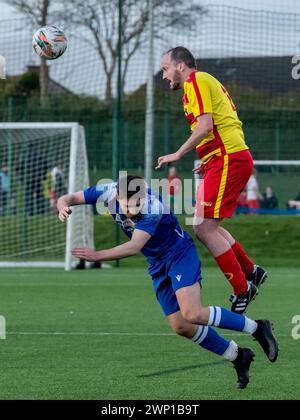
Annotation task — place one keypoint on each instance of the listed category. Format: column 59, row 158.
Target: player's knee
column 205, row 231
column 199, row 233
column 195, row 316
column 181, row 329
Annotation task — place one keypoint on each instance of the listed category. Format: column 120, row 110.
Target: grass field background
column 270, row 240
column 273, row 240
column 100, row 334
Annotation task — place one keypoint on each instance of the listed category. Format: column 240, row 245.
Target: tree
column 101, row 19
column 38, row 12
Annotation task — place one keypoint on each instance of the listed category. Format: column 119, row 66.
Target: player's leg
column 254, row 273
column 167, row 296
column 216, row 199
column 210, row 204
column 245, row 262
column 203, row 336
column 209, row 234
column 210, row 340
column 185, row 274
column 192, row 311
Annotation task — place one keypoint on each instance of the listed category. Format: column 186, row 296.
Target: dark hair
column 131, row 185
column 182, row 55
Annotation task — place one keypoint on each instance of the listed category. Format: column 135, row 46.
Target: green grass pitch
column 101, row 335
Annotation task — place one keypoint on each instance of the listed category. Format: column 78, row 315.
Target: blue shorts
column 182, row 271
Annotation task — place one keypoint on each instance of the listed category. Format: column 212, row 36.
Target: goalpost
column 38, row 163
column 283, row 176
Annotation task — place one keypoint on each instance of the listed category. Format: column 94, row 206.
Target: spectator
column 4, row 189
column 32, row 171
column 174, row 190
column 253, row 194
column 242, row 204
column 58, row 187
column 269, row 201
column 295, row 204
column 47, row 185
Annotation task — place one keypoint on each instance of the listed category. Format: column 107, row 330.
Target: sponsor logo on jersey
column 206, row 203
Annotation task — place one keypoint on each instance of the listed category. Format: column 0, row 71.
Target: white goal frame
column 77, row 136
column 197, row 178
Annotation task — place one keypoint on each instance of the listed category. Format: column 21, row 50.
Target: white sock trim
column 214, row 316
column 232, row 352
column 250, row 326
column 211, row 315
column 219, row 316
column 200, row 335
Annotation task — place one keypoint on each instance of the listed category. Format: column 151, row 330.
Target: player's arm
column 66, row 201
column 128, row 249
column 203, row 128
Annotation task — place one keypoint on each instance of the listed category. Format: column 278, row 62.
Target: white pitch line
column 90, row 333
column 27, row 333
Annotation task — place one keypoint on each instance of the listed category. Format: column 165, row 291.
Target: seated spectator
column 253, row 194
column 242, row 204
column 269, row 201
column 295, row 204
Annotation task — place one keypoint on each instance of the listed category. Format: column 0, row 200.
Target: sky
column 7, row 12
column 290, row 6
column 225, row 34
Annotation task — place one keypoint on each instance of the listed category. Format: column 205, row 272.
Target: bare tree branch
column 38, row 12
column 100, row 18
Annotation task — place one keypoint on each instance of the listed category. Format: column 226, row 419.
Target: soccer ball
column 49, row 42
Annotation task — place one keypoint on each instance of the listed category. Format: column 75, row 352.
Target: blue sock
column 210, row 340
column 222, row 318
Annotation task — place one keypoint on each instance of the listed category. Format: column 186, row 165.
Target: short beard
column 177, row 82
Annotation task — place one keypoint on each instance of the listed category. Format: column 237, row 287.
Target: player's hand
column 64, row 213
column 167, row 159
column 198, row 170
column 86, row 254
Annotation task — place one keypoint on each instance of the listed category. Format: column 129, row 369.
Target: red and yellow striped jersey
column 204, row 94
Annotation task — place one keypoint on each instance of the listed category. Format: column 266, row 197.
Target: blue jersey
column 167, row 240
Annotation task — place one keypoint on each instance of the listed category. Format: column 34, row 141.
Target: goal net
column 39, row 162
column 283, row 176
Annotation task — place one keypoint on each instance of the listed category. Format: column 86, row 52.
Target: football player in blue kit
column 174, row 266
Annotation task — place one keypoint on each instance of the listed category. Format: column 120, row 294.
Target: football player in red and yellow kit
column 226, row 165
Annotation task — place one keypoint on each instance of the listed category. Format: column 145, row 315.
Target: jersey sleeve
column 102, row 192
column 199, row 96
